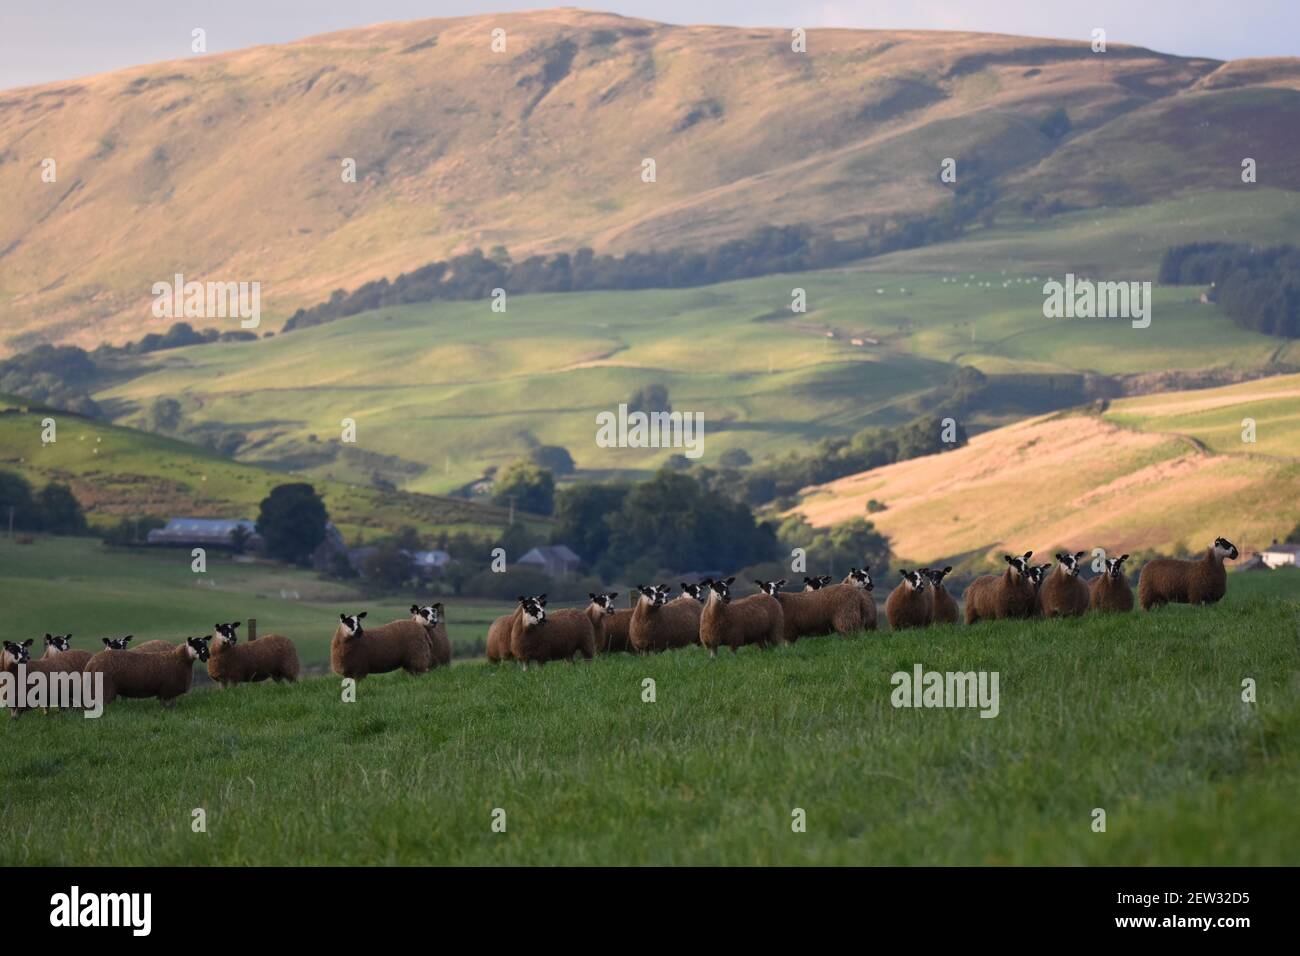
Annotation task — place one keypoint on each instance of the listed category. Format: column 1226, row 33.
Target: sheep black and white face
column 1114, row 566
column 699, row 592
column 654, row 595
column 816, row 583
column 1223, row 548
column 18, row 653
column 58, row 643
column 429, row 615
column 198, row 647
column 1037, row 572
column 723, row 589
column 916, row 580
column 1020, row 564
column 1071, row 561
column 936, row 575
column 351, row 624
column 603, row 601
column 861, row 577
column 771, row 588
column 226, row 632
column 534, row 609
column 117, row 643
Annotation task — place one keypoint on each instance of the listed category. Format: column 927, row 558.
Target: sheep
column 357, row 652
column 945, row 607
column 1169, row 580
column 831, row 609
column 1110, row 591
column 231, row 663
column 757, row 619
column 600, row 612
column 860, row 578
column 165, row 676
column 540, row 637
column 817, row 583
column 154, row 647
column 1007, row 595
column 1036, row 574
column 1062, row 594
column 659, row 624
column 699, row 592
column 434, row 620
column 61, row 647
column 498, row 637
column 117, row 643
column 911, row 604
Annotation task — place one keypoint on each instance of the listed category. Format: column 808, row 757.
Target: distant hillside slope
column 228, row 167
column 1153, row 472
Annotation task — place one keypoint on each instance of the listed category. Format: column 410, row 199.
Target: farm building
column 554, row 560
column 430, row 564
column 205, row 532
column 1281, row 555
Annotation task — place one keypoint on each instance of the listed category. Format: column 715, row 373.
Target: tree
column 650, row 398
column 735, row 458
column 389, row 567
column 554, row 458
column 292, row 522
column 531, row 487
column 239, row 539
column 60, row 511
column 163, row 416
column 583, row 512
column 16, row 493
column 1055, row 124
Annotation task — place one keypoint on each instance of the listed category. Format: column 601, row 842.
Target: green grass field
column 1140, row 715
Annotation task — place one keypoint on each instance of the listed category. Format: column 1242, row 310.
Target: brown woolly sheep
column 1037, row 573
column 154, row 647
column 1110, row 591
column 945, row 607
column 498, row 638
column 1011, row 594
column 600, row 611
column 911, row 604
column 659, row 624
column 1062, row 594
column 826, row 609
column 165, row 676
column 1168, row 580
column 231, row 663
column 61, row 647
column 540, row 637
column 356, row 651
column 757, row 619
column 434, row 619
column 860, row 578
column 117, row 643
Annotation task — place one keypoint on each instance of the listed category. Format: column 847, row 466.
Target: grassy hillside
column 1139, row 715
column 439, row 391
column 77, row 585
column 540, row 147
column 116, row 471
column 1151, row 472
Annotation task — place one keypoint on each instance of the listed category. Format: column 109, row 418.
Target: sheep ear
column 128, row 637
column 731, row 580
column 948, row 569
column 1060, row 556
column 27, row 643
column 105, row 640
column 781, row 583
column 1028, row 555
column 612, row 595
column 414, row 609
column 1008, row 559
column 520, row 598
column 362, row 614
column 342, row 616
column 1123, row 557
column 48, row 635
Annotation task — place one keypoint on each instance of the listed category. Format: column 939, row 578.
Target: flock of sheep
column 704, row 613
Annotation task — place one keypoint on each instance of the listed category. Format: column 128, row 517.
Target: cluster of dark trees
column 54, row 509
column 1258, row 288
column 769, row 250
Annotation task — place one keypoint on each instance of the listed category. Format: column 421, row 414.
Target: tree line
column 1258, row 287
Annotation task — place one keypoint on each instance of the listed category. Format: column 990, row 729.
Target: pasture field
column 439, row 391
column 78, row 585
column 1140, row 715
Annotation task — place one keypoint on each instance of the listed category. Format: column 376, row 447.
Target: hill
column 1158, row 472
column 230, row 167
column 118, row 472
column 1140, row 715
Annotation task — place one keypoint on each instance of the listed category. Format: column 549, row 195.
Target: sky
column 43, row 41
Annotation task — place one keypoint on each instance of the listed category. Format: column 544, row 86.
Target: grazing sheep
column 165, row 676
column 1110, row 590
column 1168, row 580
column 1062, row 594
column 61, row 647
column 817, row 583
column 1010, row 594
column 600, row 611
column 230, row 663
column 117, row 643
column 540, row 637
column 911, row 604
column 154, row 647
column 659, row 624
column 433, row 617
column 1036, row 574
column 757, row 619
column 829, row 609
column 356, row 651
column 498, row 638
column 945, row 607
